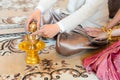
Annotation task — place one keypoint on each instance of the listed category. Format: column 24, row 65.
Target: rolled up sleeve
column 44, row 5
column 87, row 10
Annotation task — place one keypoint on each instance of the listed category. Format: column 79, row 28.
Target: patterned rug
column 52, row 66
column 16, row 11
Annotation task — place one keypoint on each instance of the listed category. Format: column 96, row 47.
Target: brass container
column 31, row 50
column 32, row 27
column 31, row 45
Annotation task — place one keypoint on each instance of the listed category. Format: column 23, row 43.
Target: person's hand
column 93, row 32
column 101, row 36
column 34, row 16
column 108, row 25
column 48, row 30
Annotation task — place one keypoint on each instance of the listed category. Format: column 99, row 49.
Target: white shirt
column 88, row 13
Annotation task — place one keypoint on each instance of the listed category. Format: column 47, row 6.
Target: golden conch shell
column 32, row 27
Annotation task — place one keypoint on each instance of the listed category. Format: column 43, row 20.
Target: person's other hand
column 101, row 36
column 48, row 30
column 93, row 32
column 108, row 26
column 34, row 16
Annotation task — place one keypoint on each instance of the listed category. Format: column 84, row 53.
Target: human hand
column 101, row 36
column 48, row 30
column 108, row 25
column 34, row 16
column 93, row 32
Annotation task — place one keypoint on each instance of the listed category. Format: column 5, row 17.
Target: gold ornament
column 31, row 45
column 32, row 27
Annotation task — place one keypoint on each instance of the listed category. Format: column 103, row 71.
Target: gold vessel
column 31, row 45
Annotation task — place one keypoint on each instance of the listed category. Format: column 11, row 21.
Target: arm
column 68, row 23
column 114, row 33
column 44, row 5
column 41, row 8
column 87, row 10
column 115, row 20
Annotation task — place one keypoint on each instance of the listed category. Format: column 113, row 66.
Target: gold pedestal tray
column 31, row 50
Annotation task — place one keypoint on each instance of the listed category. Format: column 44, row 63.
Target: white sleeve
column 44, row 5
column 87, row 10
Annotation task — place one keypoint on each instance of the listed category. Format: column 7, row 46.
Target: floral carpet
column 52, row 66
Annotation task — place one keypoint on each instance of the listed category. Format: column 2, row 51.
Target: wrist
column 107, row 33
column 109, row 37
column 37, row 11
column 40, row 8
column 109, row 27
column 58, row 28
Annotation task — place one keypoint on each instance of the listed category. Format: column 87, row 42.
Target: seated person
column 79, row 13
column 87, row 13
column 106, row 64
